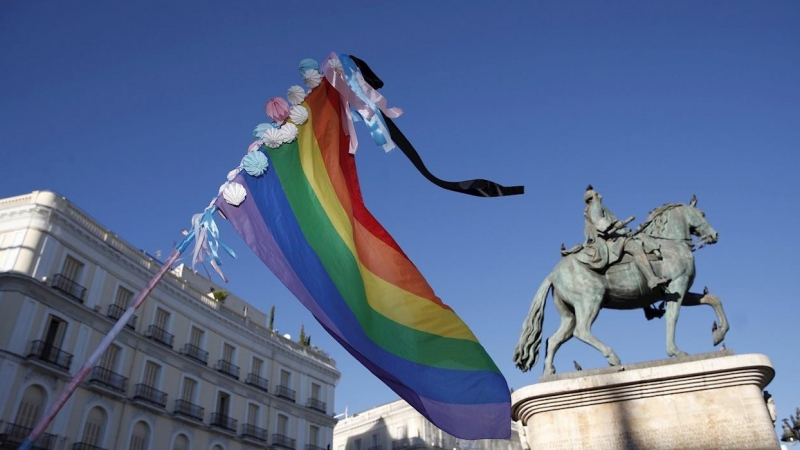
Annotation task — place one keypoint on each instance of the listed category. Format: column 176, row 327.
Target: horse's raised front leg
column 586, row 313
column 563, row 334
column 692, row 299
column 678, row 288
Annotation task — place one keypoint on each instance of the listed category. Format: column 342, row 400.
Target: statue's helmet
column 589, row 194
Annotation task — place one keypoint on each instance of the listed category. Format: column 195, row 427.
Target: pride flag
column 305, row 218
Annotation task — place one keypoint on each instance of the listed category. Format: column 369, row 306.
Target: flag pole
column 98, row 352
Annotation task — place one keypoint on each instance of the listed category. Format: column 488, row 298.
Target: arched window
column 181, row 443
column 31, row 407
column 140, row 437
column 95, row 424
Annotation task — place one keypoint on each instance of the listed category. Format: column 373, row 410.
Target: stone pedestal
column 709, row 401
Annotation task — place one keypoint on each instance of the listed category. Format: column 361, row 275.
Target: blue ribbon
column 205, row 235
column 375, row 124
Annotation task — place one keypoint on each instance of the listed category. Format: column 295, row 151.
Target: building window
column 123, row 299
column 283, row 425
column 181, row 443
column 140, row 437
column 189, row 390
column 258, row 367
column 93, row 430
column 313, row 435
column 161, row 319
column 357, row 444
column 286, row 379
column 31, row 407
column 54, row 334
column 110, row 358
column 196, row 337
column 72, row 269
column 223, row 404
column 252, row 414
column 152, row 374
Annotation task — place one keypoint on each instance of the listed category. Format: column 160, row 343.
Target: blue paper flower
column 261, row 128
column 307, row 64
column 255, row 163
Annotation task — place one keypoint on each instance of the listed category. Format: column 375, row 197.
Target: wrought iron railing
column 280, row 440
column 222, row 421
column 107, row 378
column 196, row 353
column 285, row 392
column 315, row 404
column 69, row 287
column 254, row 432
column 85, row 446
column 52, row 355
column 228, row 368
column 159, row 335
column 150, row 395
column 257, row 381
column 116, row 311
column 188, row 409
column 314, row 447
column 14, row 435
column 407, row 443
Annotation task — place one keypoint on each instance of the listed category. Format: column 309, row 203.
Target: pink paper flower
column 277, row 109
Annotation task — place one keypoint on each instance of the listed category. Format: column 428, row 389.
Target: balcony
column 184, row 408
column 157, row 334
column 257, row 381
column 227, row 368
column 252, row 431
column 285, row 392
column 69, row 287
column 314, row 447
column 196, row 353
column 13, row 435
column 85, row 446
column 408, row 443
column 43, row 351
column 279, row 440
column 375, row 447
column 115, row 312
column 224, row 422
column 317, row 405
column 109, row 379
column 150, row 395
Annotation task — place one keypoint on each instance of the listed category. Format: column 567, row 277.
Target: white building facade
column 398, row 426
column 188, row 372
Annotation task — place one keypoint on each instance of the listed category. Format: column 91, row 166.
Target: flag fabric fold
column 306, row 220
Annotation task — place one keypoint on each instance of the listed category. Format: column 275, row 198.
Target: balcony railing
column 69, row 287
column 222, row 421
column 52, row 355
column 407, row 443
column 14, row 435
column 115, row 312
column 184, row 408
column 109, row 379
column 285, row 392
column 159, row 335
column 314, row 447
column 254, row 432
column 228, row 368
column 375, row 447
column 315, row 404
column 280, row 440
column 151, row 395
column 257, row 381
column 196, row 353
column 85, row 446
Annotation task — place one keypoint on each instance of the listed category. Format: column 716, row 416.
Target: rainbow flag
column 305, row 218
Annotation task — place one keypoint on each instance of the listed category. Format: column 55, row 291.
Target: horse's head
column 698, row 225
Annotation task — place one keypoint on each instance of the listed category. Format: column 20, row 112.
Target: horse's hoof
column 718, row 337
column 550, row 371
column 613, row 360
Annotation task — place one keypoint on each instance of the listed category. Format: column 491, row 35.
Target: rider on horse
column 604, row 229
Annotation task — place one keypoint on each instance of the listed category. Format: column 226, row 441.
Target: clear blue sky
column 136, row 111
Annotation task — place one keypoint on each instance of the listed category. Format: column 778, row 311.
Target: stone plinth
column 710, row 401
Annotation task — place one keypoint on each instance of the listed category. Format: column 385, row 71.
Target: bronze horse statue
column 580, row 292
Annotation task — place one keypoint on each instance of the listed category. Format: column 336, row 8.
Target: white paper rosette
column 298, row 114
column 295, row 95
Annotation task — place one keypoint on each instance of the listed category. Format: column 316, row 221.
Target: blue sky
column 135, row 111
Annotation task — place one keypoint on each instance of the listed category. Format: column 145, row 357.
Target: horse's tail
column 527, row 352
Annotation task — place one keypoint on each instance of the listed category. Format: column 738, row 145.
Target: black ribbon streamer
column 478, row 187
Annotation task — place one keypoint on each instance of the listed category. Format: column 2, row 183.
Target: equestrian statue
column 616, row 268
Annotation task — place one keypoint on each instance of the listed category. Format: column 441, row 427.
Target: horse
column 579, row 292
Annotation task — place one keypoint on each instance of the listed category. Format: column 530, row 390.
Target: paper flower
column 308, row 64
column 336, row 65
column 288, row 132
column 277, row 109
column 298, row 114
column 255, row 163
column 261, row 128
column 273, row 138
column 234, row 193
column 254, row 146
column 312, row 78
column 296, row 95
column 232, row 174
